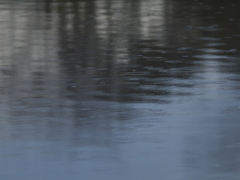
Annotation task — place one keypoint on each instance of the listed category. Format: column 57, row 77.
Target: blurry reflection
column 98, row 79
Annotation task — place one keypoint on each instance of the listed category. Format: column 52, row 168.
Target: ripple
column 211, row 56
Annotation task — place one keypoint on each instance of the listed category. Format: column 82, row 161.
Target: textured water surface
column 119, row 90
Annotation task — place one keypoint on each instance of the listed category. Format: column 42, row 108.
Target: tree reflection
column 118, row 43
column 83, row 72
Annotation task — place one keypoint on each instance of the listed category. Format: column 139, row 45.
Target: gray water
column 119, row 90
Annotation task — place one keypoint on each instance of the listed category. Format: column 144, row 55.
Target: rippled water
column 119, row 90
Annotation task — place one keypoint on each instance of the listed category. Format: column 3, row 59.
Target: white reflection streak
column 152, row 15
column 26, row 49
column 113, row 25
column 5, row 36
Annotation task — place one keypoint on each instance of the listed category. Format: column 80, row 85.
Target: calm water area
column 119, row 90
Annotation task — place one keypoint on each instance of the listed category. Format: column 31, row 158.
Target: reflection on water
column 106, row 89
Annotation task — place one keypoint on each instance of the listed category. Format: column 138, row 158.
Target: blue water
column 119, row 90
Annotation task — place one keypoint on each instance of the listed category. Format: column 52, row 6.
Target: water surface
column 113, row 90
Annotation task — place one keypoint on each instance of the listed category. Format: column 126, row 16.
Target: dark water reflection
column 119, row 89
